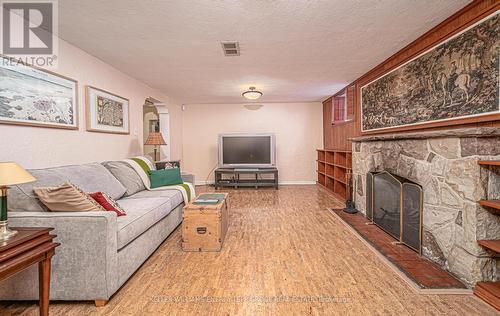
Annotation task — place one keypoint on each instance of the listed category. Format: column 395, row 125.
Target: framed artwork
column 457, row 80
column 35, row 97
column 107, row 112
column 154, row 126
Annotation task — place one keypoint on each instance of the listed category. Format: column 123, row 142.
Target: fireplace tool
column 350, row 207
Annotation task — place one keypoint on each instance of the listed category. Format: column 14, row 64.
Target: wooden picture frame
column 32, row 96
column 452, row 117
column 107, row 112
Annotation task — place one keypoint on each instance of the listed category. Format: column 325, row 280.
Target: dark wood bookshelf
column 490, row 291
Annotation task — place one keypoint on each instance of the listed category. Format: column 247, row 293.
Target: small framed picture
column 154, row 126
column 107, row 112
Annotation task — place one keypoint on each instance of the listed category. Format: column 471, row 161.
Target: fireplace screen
column 369, row 195
column 395, row 205
column 412, row 204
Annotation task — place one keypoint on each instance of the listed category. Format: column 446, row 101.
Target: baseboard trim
column 305, row 182
column 300, row 182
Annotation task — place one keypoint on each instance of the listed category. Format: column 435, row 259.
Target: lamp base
column 155, row 157
column 5, row 231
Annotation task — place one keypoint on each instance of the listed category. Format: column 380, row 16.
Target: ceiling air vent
column 231, row 48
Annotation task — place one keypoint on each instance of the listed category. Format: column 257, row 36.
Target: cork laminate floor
column 284, row 254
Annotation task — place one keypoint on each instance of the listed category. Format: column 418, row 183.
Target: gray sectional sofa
column 99, row 251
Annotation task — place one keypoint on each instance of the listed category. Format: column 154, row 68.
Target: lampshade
column 252, row 94
column 11, row 173
column 155, row 138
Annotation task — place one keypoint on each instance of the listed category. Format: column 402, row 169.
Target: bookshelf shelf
column 333, row 166
column 490, row 244
column 494, row 204
column 489, row 162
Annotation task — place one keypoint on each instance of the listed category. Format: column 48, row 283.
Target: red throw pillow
column 108, row 203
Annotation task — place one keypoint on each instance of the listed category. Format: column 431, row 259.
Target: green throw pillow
column 164, row 177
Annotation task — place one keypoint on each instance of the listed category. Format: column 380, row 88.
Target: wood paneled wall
column 337, row 136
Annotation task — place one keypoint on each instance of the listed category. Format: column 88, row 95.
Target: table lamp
column 155, row 139
column 10, row 173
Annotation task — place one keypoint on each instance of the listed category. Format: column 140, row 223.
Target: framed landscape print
column 457, row 80
column 107, row 112
column 35, row 97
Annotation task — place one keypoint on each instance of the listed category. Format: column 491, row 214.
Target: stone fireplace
column 444, row 164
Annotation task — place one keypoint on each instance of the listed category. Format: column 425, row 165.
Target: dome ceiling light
column 252, row 94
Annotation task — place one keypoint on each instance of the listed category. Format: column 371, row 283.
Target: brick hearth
column 423, row 272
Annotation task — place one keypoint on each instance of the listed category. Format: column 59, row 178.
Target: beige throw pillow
column 67, row 198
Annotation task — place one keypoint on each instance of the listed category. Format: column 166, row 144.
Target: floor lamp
column 155, row 139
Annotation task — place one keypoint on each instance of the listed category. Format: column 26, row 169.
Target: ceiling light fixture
column 252, row 94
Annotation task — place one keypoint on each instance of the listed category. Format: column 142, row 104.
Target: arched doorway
column 156, row 119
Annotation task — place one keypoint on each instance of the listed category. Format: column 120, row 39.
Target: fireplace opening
column 395, row 205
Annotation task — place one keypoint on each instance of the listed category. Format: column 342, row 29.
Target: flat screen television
column 247, row 150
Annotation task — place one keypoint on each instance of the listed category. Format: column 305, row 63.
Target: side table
column 204, row 226
column 27, row 247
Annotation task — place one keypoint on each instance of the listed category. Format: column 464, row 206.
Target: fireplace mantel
column 457, row 133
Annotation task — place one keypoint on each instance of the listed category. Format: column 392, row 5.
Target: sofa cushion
column 67, row 198
column 174, row 195
column 92, row 177
column 141, row 215
column 108, row 203
column 164, row 177
column 126, row 175
column 23, row 199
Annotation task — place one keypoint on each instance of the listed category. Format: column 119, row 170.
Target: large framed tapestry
column 107, row 112
column 456, row 79
column 35, row 97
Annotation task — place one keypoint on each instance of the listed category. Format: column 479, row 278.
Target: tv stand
column 234, row 177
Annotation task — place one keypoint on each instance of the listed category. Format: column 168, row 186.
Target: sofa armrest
column 85, row 264
column 188, row 177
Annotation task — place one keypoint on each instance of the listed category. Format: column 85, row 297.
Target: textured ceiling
column 293, row 51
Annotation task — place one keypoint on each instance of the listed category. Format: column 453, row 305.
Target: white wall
column 35, row 147
column 298, row 129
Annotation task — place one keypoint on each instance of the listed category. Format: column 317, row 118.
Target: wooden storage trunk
column 204, row 227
